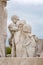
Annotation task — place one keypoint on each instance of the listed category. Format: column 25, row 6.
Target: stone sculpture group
column 22, row 42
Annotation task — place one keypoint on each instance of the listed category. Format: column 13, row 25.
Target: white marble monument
column 22, row 39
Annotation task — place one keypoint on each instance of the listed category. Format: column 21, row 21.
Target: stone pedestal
column 21, row 61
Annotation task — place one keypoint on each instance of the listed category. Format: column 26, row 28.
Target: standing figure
column 13, row 29
column 3, row 26
column 36, row 40
column 29, row 42
column 19, row 38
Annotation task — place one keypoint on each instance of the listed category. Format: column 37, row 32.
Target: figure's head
column 35, row 37
column 14, row 19
column 20, row 24
column 27, row 28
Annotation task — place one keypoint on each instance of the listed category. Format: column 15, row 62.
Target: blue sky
column 29, row 10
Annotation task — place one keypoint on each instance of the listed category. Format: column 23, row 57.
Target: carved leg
column 13, row 53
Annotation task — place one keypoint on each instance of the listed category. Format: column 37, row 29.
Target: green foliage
column 8, row 50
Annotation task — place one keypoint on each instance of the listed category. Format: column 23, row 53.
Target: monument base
column 21, row 61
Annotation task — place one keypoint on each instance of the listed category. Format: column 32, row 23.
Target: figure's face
column 15, row 21
column 20, row 27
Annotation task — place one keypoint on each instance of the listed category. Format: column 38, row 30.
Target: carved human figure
column 29, row 42
column 13, row 29
column 3, row 26
column 36, row 40
column 19, row 38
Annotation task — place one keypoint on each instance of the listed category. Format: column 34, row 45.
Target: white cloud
column 28, row 1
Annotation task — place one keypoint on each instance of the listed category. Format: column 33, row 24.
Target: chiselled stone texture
column 23, row 43
column 40, row 47
column 3, row 27
column 21, row 61
column 26, row 44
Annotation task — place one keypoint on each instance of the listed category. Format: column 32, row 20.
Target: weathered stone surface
column 21, row 61
column 23, row 40
column 41, row 55
column 39, row 45
column 3, row 27
column 30, row 43
column 13, row 29
column 22, row 37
